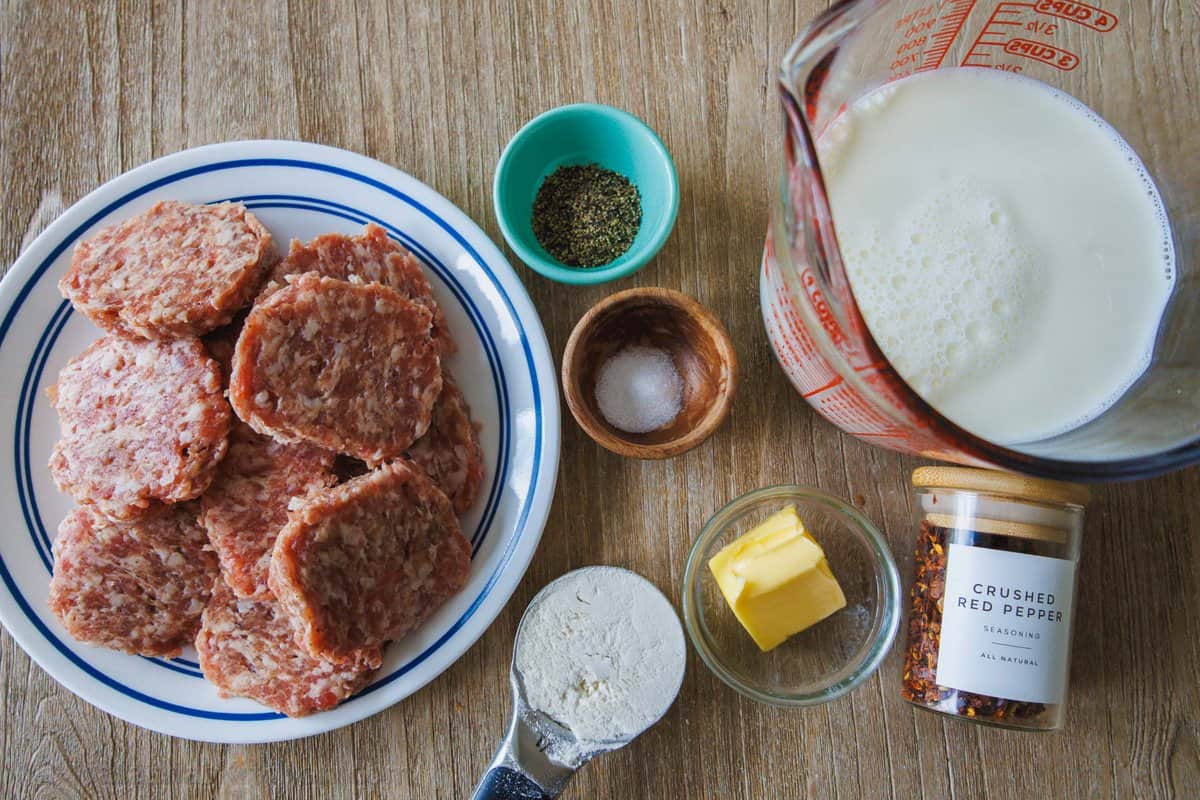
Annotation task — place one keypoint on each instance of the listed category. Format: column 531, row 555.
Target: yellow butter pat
column 776, row 579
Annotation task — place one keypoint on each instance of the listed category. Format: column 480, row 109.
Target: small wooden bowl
column 675, row 324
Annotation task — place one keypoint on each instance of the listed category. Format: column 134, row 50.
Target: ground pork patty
column 220, row 344
column 248, row 649
column 142, row 421
column 449, row 451
column 134, row 586
column 369, row 560
column 374, row 258
column 246, row 506
column 174, row 270
column 344, row 366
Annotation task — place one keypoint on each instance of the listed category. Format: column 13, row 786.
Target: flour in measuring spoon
column 1007, row 248
column 600, row 651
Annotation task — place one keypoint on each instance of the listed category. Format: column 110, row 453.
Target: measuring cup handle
column 505, row 783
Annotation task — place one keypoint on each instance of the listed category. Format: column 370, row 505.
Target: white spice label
column 1006, row 624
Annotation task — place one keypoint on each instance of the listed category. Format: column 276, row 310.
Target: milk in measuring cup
column 1007, row 248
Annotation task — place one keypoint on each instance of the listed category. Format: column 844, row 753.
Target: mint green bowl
column 585, row 133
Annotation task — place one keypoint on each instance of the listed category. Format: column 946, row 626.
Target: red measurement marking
column 994, row 34
column 1029, row 30
column 950, row 24
column 926, row 34
column 1045, row 53
column 835, row 382
column 1095, row 18
column 816, row 298
column 874, row 365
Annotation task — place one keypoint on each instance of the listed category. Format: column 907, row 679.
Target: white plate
column 503, row 367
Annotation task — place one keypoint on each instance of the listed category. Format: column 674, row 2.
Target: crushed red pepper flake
column 920, row 684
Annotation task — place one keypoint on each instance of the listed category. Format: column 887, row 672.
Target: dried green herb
column 586, row 215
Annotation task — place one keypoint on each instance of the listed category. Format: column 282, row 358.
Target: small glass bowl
column 832, row 657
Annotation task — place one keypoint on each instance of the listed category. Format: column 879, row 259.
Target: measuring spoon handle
column 506, row 783
column 521, row 770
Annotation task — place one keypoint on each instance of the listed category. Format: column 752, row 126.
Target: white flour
column 601, row 651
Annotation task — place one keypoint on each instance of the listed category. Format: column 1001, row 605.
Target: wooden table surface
column 90, row 90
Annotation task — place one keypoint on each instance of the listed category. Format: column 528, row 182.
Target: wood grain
column 91, row 89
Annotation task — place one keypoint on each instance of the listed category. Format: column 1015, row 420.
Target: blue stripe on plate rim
column 519, row 531
column 33, row 377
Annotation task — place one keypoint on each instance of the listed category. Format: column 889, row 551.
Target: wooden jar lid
column 1021, row 487
column 1002, row 527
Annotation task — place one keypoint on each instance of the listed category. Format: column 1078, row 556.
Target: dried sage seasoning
column 586, row 215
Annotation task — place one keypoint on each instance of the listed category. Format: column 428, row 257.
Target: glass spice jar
column 989, row 629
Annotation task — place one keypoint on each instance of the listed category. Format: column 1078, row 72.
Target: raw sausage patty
column 142, row 421
column 247, row 504
column 174, row 270
column 374, row 258
column 449, row 451
column 134, row 586
column 369, row 560
column 248, row 649
column 219, row 344
column 344, row 366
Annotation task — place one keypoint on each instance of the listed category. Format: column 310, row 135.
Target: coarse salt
column 639, row 390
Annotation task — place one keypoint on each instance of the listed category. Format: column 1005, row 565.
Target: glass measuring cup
column 1135, row 67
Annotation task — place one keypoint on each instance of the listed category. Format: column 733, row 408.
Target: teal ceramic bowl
column 585, row 133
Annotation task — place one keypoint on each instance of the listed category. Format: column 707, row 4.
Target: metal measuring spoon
column 539, row 755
